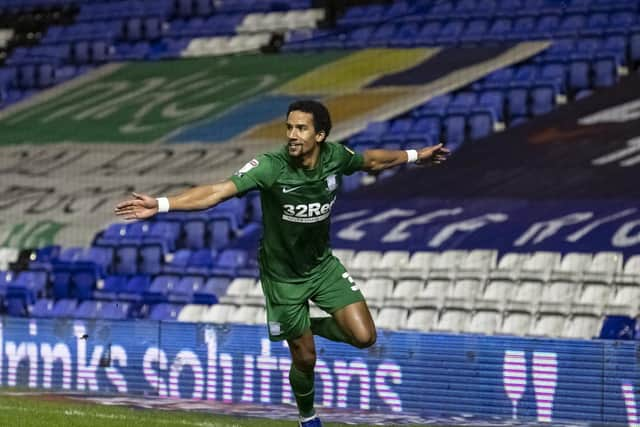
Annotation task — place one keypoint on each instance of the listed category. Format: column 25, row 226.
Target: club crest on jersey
column 247, row 167
column 332, row 183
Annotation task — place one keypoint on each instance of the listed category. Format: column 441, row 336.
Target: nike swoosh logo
column 286, row 190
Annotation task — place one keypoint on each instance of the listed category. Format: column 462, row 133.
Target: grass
column 51, row 411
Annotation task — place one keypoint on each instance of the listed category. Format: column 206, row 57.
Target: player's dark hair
column 321, row 117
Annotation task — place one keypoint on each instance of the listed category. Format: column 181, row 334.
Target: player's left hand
column 432, row 155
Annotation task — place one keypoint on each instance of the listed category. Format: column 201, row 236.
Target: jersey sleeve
column 260, row 172
column 351, row 161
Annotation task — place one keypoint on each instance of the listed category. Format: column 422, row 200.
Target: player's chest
column 293, row 190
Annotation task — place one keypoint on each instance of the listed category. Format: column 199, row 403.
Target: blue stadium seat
column 578, row 6
column 595, row 25
column 229, row 262
column 201, row 261
column 579, row 71
column 355, row 15
column 177, row 262
column 571, row 25
column 523, row 28
column 203, row 7
column 42, row 308
column 184, row 8
column 634, row 47
column 428, row 33
column 499, row 31
column 405, row 35
column 151, row 258
column 211, row 291
column 195, row 234
column 64, row 308
column 450, row 32
column 99, row 52
column 621, row 23
column 84, row 282
column 167, row 232
column 605, row 71
column 165, row 312
column 581, row 94
column 81, row 52
column 61, row 281
column 186, row 287
column 463, row 100
column 133, row 29
column 608, row 6
column 109, row 288
column 160, row 288
column 618, row 327
column 358, row 38
column 508, row 7
column 498, row 79
column 126, row 259
column 480, row 123
column 431, row 126
column 542, row 100
column 87, row 310
column 442, row 9
column 152, row 28
column 70, row 254
column 485, row 7
column 464, row 8
column 397, row 9
column 45, row 75
column 616, row 46
column 112, row 235
column 64, row 73
column 525, row 74
column 518, row 100
column 455, row 131
column 382, row 35
column 27, row 76
column 100, row 256
column 556, row 73
column 397, row 131
column 494, row 100
column 135, row 288
column 589, row 46
column 547, row 25
column 112, row 310
column 475, row 30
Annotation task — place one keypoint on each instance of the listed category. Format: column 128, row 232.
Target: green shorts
column 288, row 304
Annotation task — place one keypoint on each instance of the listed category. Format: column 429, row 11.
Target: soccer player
column 298, row 185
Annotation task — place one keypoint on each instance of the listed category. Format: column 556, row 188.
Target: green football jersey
column 296, row 205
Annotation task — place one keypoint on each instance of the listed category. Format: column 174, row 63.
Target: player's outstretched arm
column 377, row 160
column 142, row 206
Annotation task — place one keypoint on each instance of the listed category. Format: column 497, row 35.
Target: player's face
column 301, row 134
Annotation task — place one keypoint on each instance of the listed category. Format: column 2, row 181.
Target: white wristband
column 163, row 204
column 412, row 156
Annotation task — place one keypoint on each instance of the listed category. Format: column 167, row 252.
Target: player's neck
column 310, row 159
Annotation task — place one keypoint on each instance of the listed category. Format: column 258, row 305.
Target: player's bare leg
column 301, row 377
column 355, row 321
column 351, row 324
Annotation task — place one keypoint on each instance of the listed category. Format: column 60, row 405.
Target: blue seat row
column 438, row 32
column 216, row 25
column 410, row 11
column 104, row 11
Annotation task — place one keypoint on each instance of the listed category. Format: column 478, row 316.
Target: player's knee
column 305, row 361
column 365, row 339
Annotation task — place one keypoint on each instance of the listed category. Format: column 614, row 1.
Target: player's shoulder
column 276, row 158
column 339, row 149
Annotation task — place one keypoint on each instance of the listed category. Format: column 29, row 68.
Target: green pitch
column 51, row 411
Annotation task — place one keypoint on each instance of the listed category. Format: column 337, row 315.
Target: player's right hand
column 141, row 206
